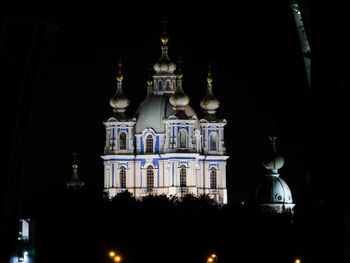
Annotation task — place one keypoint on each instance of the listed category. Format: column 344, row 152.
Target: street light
column 215, row 257
column 297, row 260
column 210, row 260
column 114, row 256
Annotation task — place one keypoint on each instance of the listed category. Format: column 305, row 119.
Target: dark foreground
column 84, row 226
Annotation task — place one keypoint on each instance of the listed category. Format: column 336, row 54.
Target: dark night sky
column 258, row 77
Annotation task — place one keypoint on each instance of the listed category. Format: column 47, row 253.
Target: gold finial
column 273, row 141
column 273, row 138
column 75, row 161
column 120, row 75
column 164, row 37
column 209, row 77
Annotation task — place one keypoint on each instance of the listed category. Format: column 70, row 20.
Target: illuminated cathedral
column 165, row 148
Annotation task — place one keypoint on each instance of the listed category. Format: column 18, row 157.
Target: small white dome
column 119, row 103
column 210, row 104
column 179, row 100
column 274, row 163
column 164, row 65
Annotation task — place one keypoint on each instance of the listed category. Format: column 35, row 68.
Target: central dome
column 154, row 110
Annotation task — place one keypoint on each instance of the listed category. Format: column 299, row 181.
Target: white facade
column 165, row 148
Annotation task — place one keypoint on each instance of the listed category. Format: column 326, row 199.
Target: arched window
column 167, row 85
column 183, row 139
column 150, row 179
column 160, row 85
column 213, row 141
column 122, row 141
column 183, row 176
column 213, row 178
column 122, row 177
column 149, row 144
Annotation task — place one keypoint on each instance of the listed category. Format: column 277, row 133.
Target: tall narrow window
column 160, row 85
column 183, row 176
column 196, row 141
column 213, row 178
column 150, row 179
column 213, row 141
column 122, row 177
column 149, row 144
column 122, row 141
column 167, row 85
column 183, row 139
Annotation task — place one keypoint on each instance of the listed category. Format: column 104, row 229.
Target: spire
column 164, row 37
column 164, row 64
column 75, row 159
column 209, row 103
column 119, row 102
column 179, row 99
column 75, row 181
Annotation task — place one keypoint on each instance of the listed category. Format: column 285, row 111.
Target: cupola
column 209, row 103
column 164, row 65
column 119, row 102
column 273, row 193
column 179, row 99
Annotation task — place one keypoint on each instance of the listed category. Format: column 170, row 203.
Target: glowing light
column 117, row 259
column 297, row 261
column 210, row 259
column 111, row 254
column 213, row 256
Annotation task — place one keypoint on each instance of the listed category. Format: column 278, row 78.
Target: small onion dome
column 179, row 99
column 209, row 103
column 119, row 102
column 164, row 64
column 274, row 162
column 273, row 189
column 74, row 181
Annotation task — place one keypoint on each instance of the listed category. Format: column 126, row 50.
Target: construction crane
column 299, row 17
